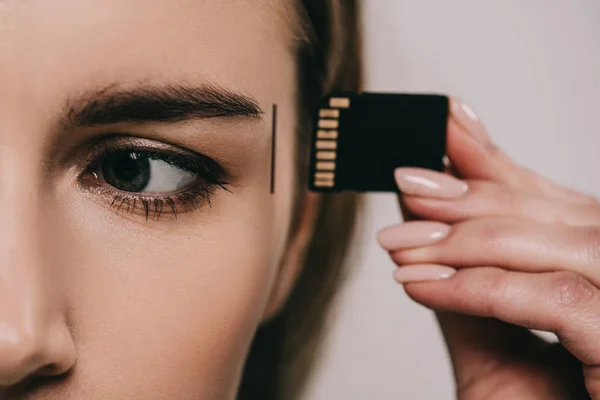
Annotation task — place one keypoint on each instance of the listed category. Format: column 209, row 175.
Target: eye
column 152, row 178
column 138, row 173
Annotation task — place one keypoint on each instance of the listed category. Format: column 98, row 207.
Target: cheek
column 157, row 310
column 157, row 316
column 174, row 304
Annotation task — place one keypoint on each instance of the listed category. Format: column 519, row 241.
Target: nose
column 35, row 340
column 32, row 342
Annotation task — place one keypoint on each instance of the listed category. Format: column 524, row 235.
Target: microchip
column 359, row 139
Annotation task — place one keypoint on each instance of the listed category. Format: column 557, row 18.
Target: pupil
column 129, row 172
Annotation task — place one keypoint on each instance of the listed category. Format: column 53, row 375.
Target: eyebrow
column 158, row 104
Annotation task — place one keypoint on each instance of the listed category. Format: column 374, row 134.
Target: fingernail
column 412, row 234
column 422, row 273
column 426, row 183
column 469, row 120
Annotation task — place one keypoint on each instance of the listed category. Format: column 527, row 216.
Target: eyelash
column 208, row 172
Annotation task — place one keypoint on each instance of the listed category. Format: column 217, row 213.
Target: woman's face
column 140, row 244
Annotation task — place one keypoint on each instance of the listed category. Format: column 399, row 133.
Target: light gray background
column 530, row 69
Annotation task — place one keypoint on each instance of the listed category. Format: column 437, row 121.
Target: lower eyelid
column 152, row 207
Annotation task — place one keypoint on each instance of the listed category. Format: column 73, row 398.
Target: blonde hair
column 285, row 349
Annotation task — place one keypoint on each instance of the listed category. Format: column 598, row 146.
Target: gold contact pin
column 329, row 113
column 339, row 102
column 326, row 144
column 322, row 134
column 326, row 155
column 329, row 123
column 329, row 184
column 325, row 166
column 325, row 176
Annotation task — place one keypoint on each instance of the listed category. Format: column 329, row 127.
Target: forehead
column 49, row 46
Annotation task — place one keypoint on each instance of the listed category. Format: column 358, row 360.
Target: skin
column 521, row 252
column 99, row 304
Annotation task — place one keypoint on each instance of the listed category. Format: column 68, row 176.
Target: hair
column 284, row 349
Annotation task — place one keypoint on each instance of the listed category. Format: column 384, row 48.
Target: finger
column 407, row 215
column 561, row 302
column 508, row 243
column 433, row 195
column 474, row 155
column 483, row 348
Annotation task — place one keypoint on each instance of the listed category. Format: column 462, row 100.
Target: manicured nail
column 426, row 183
column 422, row 273
column 469, row 120
column 412, row 234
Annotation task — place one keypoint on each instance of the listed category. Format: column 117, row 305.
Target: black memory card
column 359, row 139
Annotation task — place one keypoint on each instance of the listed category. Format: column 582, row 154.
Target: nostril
column 48, row 370
column 34, row 357
column 31, row 384
column 19, row 358
column 50, row 374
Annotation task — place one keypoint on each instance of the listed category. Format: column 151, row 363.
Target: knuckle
column 571, row 290
column 589, row 250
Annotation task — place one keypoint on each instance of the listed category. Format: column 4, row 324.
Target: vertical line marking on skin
column 274, row 130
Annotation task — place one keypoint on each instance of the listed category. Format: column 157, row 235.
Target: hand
column 495, row 248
